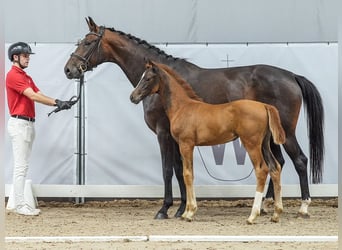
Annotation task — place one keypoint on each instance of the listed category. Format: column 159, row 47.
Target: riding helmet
column 19, row 48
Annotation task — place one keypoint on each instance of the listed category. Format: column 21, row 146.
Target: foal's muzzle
column 135, row 98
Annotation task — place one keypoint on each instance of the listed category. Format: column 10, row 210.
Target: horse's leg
column 186, row 151
column 269, row 197
column 300, row 162
column 178, row 167
column 167, row 155
column 261, row 172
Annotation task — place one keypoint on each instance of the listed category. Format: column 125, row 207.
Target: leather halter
column 85, row 59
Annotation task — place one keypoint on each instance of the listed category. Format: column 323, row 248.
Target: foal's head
column 148, row 84
column 156, row 74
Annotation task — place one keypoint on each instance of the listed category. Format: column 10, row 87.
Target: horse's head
column 88, row 54
column 148, row 84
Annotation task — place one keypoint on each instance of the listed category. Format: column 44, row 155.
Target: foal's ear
column 148, row 63
column 91, row 24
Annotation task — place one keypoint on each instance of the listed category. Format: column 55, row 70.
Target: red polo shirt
column 16, row 82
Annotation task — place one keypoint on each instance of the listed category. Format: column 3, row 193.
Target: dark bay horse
column 196, row 123
column 278, row 87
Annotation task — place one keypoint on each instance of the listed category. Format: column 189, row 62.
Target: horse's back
column 256, row 82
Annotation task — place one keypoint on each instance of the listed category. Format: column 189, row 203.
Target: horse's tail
column 274, row 123
column 315, row 124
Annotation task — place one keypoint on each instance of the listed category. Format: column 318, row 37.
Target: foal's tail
column 274, row 123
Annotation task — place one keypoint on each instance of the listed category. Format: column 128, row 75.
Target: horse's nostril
column 68, row 73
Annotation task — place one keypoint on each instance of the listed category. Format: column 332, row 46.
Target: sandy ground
column 135, row 218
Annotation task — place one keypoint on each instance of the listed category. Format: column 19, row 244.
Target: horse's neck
column 131, row 58
column 173, row 95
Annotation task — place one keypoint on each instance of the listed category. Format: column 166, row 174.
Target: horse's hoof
column 178, row 214
column 304, row 216
column 161, row 216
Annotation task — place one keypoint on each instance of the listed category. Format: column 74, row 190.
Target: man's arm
column 39, row 97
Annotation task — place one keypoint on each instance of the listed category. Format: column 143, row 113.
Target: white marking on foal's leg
column 256, row 207
column 303, row 211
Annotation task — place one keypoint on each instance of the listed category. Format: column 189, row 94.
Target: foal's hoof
column 161, row 216
column 187, row 219
column 302, row 215
column 250, row 222
column 275, row 219
column 263, row 212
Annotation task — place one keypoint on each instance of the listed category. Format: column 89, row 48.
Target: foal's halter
column 84, row 66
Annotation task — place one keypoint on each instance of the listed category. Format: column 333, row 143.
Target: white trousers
column 22, row 135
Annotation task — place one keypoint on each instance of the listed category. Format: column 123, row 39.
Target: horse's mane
column 185, row 85
column 144, row 44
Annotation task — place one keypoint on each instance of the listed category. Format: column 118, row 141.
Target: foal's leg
column 269, row 197
column 275, row 173
column 261, row 171
column 278, row 204
column 186, row 151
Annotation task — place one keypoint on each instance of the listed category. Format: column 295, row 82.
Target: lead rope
column 74, row 99
column 218, row 179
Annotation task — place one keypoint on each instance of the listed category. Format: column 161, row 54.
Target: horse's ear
column 91, row 24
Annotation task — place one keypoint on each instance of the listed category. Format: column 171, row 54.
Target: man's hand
column 63, row 104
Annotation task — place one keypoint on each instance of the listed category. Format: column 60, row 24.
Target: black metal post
column 80, row 171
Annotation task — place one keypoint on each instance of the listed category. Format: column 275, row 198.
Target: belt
column 23, row 118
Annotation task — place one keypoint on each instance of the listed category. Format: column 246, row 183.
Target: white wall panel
column 121, row 150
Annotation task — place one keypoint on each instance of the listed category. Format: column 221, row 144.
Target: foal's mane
column 185, row 85
column 144, row 44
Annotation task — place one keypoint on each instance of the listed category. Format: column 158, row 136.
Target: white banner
column 120, row 148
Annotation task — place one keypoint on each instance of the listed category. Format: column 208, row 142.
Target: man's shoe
column 27, row 210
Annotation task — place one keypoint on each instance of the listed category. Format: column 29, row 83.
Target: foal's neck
column 173, row 94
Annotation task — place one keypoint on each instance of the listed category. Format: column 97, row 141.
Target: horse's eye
column 87, row 43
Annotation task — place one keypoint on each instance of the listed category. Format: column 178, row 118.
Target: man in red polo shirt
column 22, row 93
